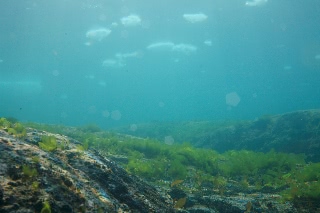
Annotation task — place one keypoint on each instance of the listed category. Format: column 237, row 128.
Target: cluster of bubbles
column 99, row 34
column 134, row 20
column 119, row 59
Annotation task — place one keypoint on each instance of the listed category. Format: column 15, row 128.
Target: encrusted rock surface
column 70, row 180
column 294, row 132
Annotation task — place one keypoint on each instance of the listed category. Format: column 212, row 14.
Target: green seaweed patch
column 29, row 172
column 48, row 143
column 35, row 159
column 16, row 129
column 304, row 183
column 46, row 207
column 20, row 130
column 35, row 185
column 156, row 161
column 4, row 123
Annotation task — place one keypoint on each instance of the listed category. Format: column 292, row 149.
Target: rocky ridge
column 69, row 179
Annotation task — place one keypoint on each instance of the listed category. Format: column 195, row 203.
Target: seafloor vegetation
column 46, row 172
column 158, row 162
column 192, row 170
column 295, row 132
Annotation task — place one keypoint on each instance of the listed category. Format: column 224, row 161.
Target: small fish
column 180, row 203
column 176, row 182
column 248, row 207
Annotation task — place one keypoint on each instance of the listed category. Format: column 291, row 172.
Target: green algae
column 153, row 160
column 46, row 207
column 29, row 172
column 48, row 143
column 16, row 129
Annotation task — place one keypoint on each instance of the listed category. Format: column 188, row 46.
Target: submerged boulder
column 296, row 132
column 69, row 180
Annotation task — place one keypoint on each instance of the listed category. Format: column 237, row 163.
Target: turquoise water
column 127, row 62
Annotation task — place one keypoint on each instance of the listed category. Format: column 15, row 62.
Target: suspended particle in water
column 287, row 67
column 116, row 115
column 232, row 99
column 63, row 115
column 161, row 104
column 254, row 95
column 114, row 24
column 169, row 140
column 105, row 113
column 124, row 34
column 98, row 34
column 92, row 109
column 208, row 42
column 146, row 24
column 133, row 127
column 196, row 17
column 102, row 17
column 184, row 48
column 255, row 3
column 102, row 83
column 55, row 73
column 131, row 20
column 63, row 96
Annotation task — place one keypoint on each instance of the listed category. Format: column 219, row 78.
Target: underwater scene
column 207, row 106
